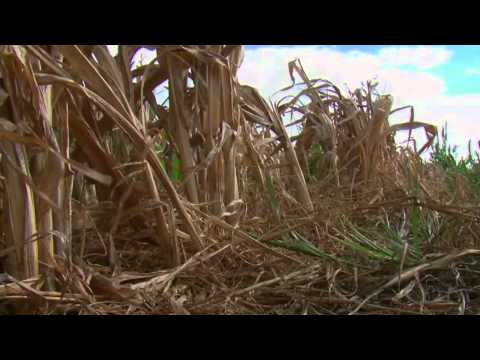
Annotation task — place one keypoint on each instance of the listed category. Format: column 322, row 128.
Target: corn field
column 219, row 201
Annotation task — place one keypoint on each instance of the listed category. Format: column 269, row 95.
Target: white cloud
column 461, row 112
column 266, row 68
column 113, row 49
column 472, row 71
column 422, row 57
column 408, row 86
column 143, row 56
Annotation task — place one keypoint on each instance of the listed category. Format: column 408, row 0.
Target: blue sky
column 456, row 72
column 453, row 72
column 441, row 82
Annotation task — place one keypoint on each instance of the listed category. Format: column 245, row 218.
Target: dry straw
column 115, row 203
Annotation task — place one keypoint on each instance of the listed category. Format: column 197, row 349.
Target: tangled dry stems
column 334, row 220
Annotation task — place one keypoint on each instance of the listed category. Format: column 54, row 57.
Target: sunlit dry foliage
column 107, row 193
